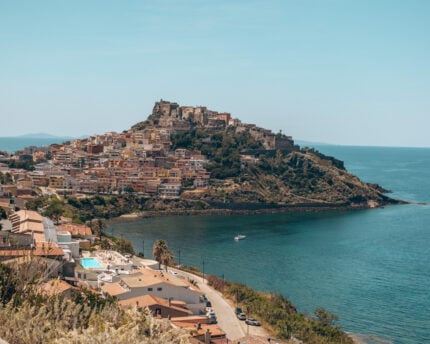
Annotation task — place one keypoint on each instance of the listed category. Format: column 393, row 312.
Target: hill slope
column 252, row 168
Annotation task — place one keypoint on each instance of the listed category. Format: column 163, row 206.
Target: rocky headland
column 253, row 169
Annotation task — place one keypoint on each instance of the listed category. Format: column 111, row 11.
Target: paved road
column 224, row 309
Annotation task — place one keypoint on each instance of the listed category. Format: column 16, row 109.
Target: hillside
column 252, row 168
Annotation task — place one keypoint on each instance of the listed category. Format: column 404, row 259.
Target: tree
column 3, row 214
column 167, row 258
column 54, row 210
column 161, row 253
column 97, row 227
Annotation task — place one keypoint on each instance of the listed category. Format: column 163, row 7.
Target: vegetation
column 121, row 245
column 222, row 147
column 27, row 316
column 54, row 210
column 280, row 315
column 162, row 254
column 25, row 164
column 86, row 209
column 5, row 178
column 283, row 177
column 3, row 214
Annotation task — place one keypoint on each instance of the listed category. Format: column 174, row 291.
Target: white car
column 212, row 317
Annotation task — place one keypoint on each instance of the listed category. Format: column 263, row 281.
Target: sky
column 353, row 72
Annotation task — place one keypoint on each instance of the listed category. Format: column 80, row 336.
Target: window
column 149, row 289
column 159, row 289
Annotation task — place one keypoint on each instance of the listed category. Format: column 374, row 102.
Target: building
column 163, row 285
column 158, row 306
column 27, row 221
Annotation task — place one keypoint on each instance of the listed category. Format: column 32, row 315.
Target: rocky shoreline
column 274, row 209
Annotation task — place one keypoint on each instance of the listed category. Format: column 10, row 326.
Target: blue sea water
column 12, row 144
column 370, row 267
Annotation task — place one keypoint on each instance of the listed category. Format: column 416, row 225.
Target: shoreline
column 228, row 211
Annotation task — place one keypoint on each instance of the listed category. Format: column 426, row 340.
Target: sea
column 12, row 144
column 370, row 267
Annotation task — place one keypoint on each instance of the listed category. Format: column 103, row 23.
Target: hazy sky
column 336, row 71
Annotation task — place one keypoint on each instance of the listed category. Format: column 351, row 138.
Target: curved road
column 224, row 309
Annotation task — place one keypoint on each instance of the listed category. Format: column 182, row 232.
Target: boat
column 239, row 237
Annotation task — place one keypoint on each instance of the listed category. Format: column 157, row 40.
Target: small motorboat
column 239, row 237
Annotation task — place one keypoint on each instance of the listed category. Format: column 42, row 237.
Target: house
column 27, row 221
column 164, row 285
column 57, row 287
column 201, row 331
column 39, row 249
column 169, row 190
column 158, row 306
column 77, row 230
column 35, row 267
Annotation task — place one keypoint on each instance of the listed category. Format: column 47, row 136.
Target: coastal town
column 138, row 160
column 71, row 256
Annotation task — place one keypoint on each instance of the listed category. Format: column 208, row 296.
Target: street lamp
column 179, row 257
column 203, row 264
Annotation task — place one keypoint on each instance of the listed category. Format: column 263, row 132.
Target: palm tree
column 167, row 258
column 162, row 254
column 159, row 250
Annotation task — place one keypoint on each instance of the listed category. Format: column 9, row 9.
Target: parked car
column 211, row 314
column 208, row 304
column 253, row 322
column 238, row 310
column 212, row 317
column 241, row 316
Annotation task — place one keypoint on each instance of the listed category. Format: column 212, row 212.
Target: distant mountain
column 44, row 136
column 305, row 143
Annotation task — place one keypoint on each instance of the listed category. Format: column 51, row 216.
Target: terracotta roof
column 214, row 329
column 29, row 215
column 113, row 289
column 202, row 319
column 49, row 249
column 149, row 277
column 41, row 249
column 55, row 287
column 76, row 229
column 150, row 300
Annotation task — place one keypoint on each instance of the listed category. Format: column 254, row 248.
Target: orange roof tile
column 150, row 300
column 41, row 249
column 113, row 289
column 55, row 287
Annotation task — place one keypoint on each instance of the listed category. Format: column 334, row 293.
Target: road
column 224, row 309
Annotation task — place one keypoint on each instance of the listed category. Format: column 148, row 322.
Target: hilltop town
column 193, row 156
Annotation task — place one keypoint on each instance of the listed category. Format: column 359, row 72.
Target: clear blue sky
column 337, row 71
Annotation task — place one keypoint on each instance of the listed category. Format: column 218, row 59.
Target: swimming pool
column 90, row 263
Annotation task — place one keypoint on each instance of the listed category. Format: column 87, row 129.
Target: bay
column 370, row 267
